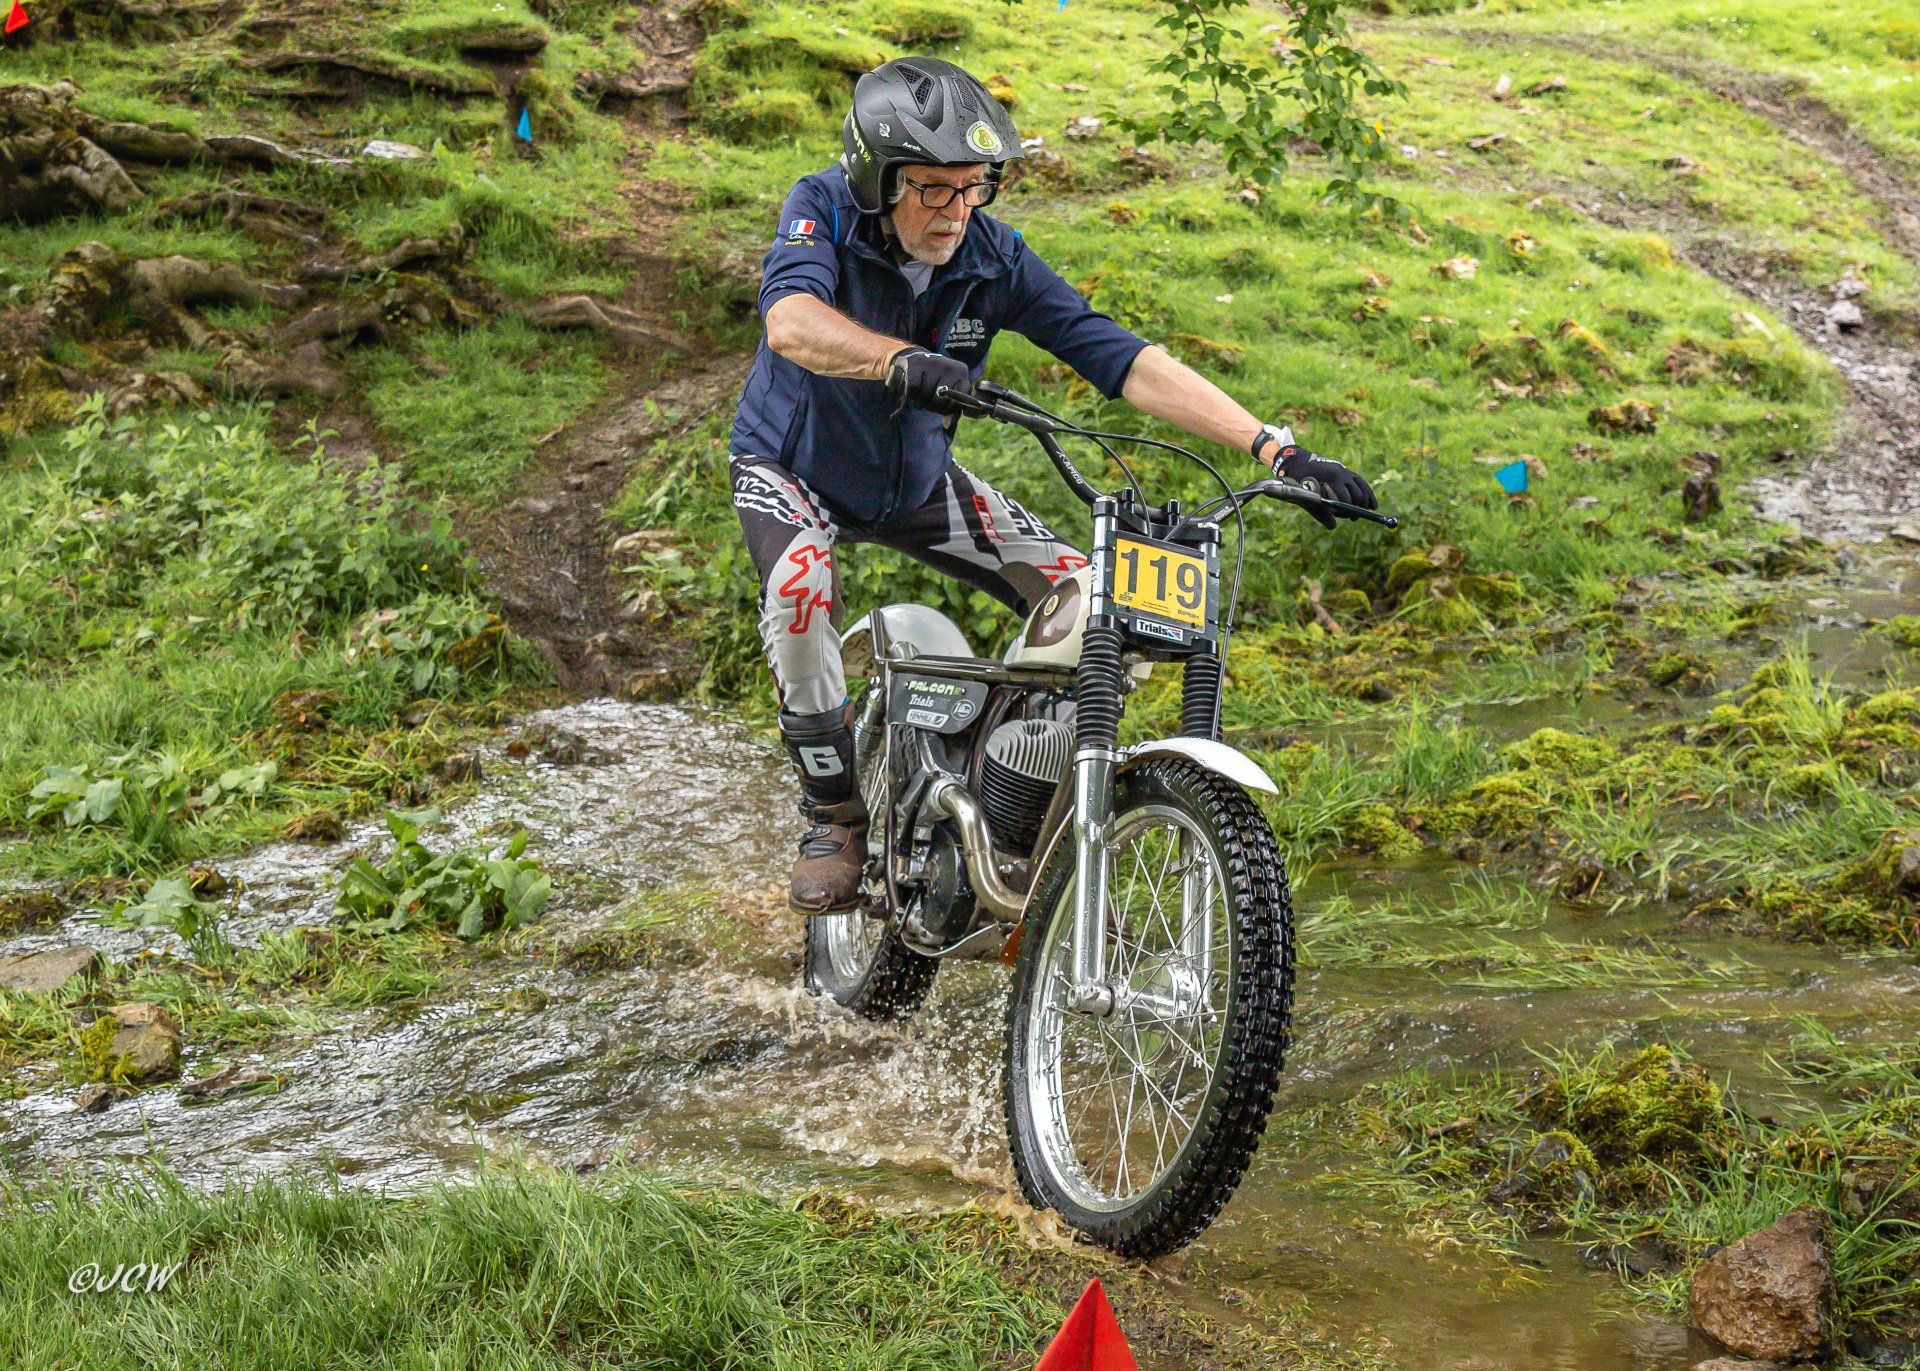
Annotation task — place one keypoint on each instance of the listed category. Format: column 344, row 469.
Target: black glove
column 1298, row 464
column 916, row 375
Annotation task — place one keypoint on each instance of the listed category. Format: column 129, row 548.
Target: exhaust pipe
column 949, row 799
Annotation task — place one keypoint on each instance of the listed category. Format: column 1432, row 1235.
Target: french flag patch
column 800, row 228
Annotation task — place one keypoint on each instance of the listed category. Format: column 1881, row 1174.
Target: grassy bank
column 518, row 1269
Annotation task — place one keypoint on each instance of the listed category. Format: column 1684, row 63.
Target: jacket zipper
column 900, row 431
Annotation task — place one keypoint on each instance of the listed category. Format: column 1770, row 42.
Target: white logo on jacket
column 967, row 333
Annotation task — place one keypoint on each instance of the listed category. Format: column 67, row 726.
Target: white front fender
column 1219, row 758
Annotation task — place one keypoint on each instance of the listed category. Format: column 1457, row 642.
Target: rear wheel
column 1136, row 1127
column 856, row 959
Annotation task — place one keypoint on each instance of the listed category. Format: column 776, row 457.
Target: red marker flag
column 16, row 17
column 1090, row 1339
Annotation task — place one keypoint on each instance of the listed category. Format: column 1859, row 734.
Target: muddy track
column 1868, row 483
column 548, row 552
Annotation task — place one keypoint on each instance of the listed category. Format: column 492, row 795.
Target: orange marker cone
column 1090, row 1339
column 16, row 17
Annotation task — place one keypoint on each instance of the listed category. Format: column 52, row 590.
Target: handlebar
column 989, row 400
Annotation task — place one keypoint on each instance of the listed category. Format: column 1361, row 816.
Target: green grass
column 161, row 586
column 518, row 1269
column 1863, row 58
column 470, row 431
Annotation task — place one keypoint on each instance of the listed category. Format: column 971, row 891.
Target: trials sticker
column 940, row 705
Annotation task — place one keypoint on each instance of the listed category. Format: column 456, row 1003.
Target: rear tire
column 1208, row 1037
column 865, row 969
column 856, row 959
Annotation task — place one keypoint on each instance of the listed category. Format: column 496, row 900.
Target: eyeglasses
column 937, row 196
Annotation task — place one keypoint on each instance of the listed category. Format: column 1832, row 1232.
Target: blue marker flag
column 1512, row 477
column 525, row 129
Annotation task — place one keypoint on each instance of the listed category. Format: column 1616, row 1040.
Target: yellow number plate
column 1163, row 581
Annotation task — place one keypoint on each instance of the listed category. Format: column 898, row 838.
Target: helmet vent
column 964, row 91
column 920, row 86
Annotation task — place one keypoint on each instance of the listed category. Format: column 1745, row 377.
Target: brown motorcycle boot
column 826, row 874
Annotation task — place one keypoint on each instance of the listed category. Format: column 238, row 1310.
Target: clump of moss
column 1904, row 629
column 1503, row 807
column 1437, row 592
column 916, row 23
column 1375, row 829
column 1687, row 672
column 1558, row 1168
column 1890, row 707
column 1562, row 755
column 21, row 908
column 1656, row 1106
column 1587, row 350
column 1808, row 780
column 1629, row 416
column 1208, row 352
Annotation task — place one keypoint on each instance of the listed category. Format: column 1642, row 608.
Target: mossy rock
column 766, row 114
column 1562, row 755
column 1892, row 870
column 1438, row 605
column 1655, row 1106
column 1375, row 829
column 1351, row 602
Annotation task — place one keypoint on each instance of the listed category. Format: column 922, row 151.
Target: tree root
column 93, row 282
column 410, row 252
column 596, row 86
column 263, row 216
column 48, row 168
column 350, row 70
column 585, row 312
column 96, row 18
column 56, row 160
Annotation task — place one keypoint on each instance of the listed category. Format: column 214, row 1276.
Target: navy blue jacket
column 842, row 437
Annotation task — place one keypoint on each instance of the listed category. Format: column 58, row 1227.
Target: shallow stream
column 716, row 1067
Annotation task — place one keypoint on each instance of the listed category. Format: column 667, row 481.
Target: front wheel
column 1137, row 1126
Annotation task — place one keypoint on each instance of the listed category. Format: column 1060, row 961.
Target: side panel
column 1219, row 758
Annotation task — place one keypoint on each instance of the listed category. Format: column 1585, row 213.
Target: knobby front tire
column 1138, row 1127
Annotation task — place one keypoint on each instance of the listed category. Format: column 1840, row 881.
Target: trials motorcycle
column 1137, row 891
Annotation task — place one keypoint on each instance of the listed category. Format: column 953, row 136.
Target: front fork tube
column 1092, row 828
column 1097, row 730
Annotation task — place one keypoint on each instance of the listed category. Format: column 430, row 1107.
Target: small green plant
column 171, row 903
column 436, row 640
column 464, row 891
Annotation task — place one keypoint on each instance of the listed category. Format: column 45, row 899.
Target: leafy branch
column 1307, row 87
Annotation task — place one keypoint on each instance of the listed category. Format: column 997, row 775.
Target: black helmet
column 920, row 111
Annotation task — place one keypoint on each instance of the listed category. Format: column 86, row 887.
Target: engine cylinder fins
column 1025, row 759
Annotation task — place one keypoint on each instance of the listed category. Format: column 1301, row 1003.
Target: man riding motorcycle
column 883, row 286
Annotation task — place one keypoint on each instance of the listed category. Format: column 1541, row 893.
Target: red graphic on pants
column 986, row 519
column 806, row 599
column 1069, row 563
